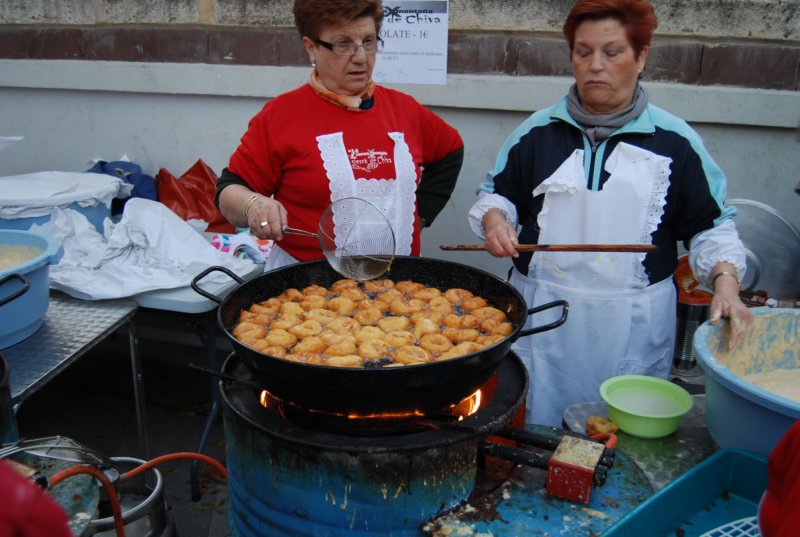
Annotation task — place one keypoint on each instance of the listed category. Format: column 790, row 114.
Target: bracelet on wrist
column 249, row 203
column 725, row 273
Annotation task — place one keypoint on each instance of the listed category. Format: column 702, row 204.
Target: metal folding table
column 71, row 327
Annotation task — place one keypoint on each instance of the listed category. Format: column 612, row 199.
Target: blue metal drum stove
column 298, row 473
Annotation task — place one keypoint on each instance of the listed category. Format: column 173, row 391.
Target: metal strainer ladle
column 356, row 238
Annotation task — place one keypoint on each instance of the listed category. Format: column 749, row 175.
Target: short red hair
column 637, row 16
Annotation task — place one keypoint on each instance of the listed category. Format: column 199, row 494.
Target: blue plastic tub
column 95, row 214
column 25, row 288
column 739, row 414
column 722, row 489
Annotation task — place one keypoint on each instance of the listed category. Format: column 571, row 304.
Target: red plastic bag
column 192, row 196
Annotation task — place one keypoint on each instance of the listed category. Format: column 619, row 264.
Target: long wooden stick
column 561, row 247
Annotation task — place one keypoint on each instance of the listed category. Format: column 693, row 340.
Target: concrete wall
column 168, row 82
column 169, row 115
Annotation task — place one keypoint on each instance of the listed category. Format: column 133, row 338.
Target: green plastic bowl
column 647, row 407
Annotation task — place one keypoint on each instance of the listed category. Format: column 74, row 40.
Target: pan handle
column 209, row 270
column 25, row 286
column 535, row 330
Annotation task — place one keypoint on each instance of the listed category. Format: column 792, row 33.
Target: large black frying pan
column 365, row 391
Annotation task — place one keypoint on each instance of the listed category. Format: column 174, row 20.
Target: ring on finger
column 265, row 223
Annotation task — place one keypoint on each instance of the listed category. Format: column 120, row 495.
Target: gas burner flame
column 464, row 408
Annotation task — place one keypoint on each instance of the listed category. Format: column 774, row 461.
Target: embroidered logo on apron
column 368, row 160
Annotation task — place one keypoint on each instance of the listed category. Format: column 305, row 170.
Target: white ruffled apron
column 395, row 197
column 617, row 324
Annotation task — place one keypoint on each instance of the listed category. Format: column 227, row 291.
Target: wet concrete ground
column 92, row 403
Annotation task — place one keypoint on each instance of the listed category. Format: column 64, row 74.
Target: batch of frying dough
column 378, row 323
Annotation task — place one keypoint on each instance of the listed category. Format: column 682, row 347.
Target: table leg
column 138, row 390
column 210, row 341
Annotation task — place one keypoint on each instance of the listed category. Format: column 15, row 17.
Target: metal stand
column 71, row 327
column 206, row 332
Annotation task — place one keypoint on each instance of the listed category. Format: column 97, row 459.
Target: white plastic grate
column 744, row 527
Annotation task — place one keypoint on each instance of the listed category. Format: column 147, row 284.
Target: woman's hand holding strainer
column 266, row 218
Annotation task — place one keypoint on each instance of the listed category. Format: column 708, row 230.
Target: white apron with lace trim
column 617, row 324
column 395, row 198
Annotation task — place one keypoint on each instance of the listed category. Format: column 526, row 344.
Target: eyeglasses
column 348, row 48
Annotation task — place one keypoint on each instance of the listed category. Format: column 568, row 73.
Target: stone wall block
column 758, row 66
column 47, row 11
column 151, row 11
column 55, row 44
column 674, row 62
column 272, row 13
column 475, row 53
column 276, row 46
column 542, row 57
column 148, row 44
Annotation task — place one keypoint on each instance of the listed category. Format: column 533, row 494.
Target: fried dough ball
column 309, row 344
column 493, row 326
column 401, row 307
column 399, row 338
column 440, row 304
column 315, row 290
column 281, row 338
column 306, row 329
column 292, row 307
column 321, row 315
column 411, row 354
column 350, row 360
column 452, row 320
column 378, row 286
column 369, row 316
column 424, row 326
column 340, row 285
column 368, row 303
column 473, row 303
column 311, row 302
column 408, row 287
column 344, row 324
column 600, row 425
column 343, row 348
column 488, row 312
column 488, row 341
column 255, row 318
column 368, row 333
column 257, row 344
column 390, row 324
column 355, row 295
column 435, row 343
column 470, row 321
column 275, row 350
column 373, row 349
column 390, row 296
column 252, row 330
column 269, row 306
column 342, row 305
column 462, row 349
column 435, row 316
column 331, row 337
column 285, row 321
column 426, row 294
column 460, row 335
column 457, row 295
column 291, row 294
column 306, row 357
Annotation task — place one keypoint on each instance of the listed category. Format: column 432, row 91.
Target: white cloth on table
column 149, row 248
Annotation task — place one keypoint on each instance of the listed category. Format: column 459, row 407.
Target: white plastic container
column 740, row 414
column 31, row 198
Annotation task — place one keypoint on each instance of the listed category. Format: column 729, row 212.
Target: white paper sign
column 415, row 43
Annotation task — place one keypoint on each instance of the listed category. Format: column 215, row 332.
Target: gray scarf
column 600, row 127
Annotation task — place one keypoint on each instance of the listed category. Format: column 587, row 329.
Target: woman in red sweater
column 339, row 135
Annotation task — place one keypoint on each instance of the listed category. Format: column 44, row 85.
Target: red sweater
column 26, row 510
column 779, row 513
column 279, row 153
